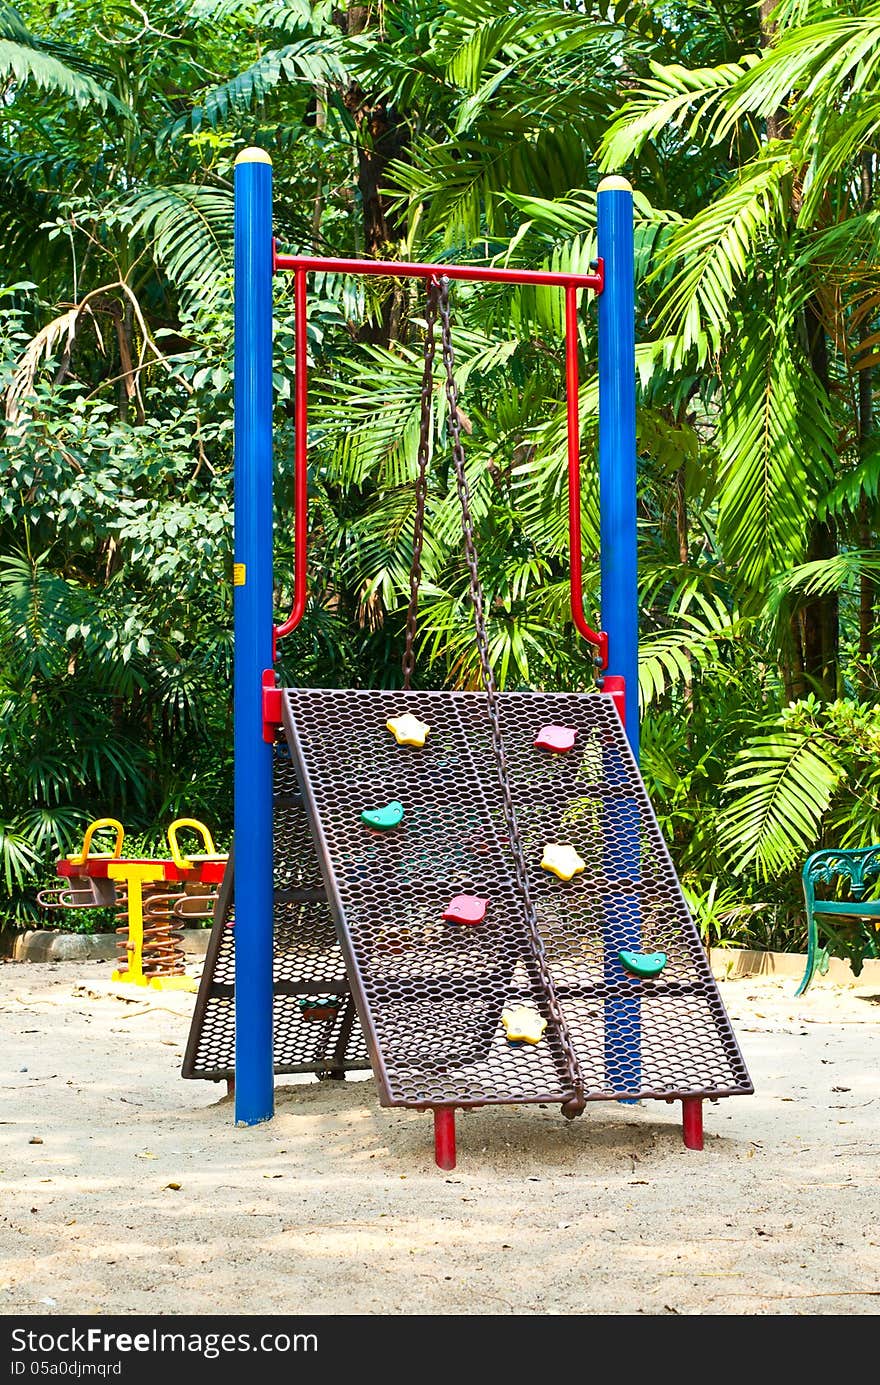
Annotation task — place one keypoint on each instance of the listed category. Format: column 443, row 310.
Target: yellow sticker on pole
column 239, row 574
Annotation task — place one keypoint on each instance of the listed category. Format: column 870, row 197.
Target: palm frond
column 776, row 445
column 17, row 856
column 54, row 67
column 861, row 483
column 824, row 575
column 779, row 788
column 674, row 655
column 710, row 255
column 841, row 54
column 308, row 61
column 189, row 233
column 692, row 100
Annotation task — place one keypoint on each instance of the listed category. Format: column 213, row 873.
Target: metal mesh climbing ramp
column 307, row 964
column 430, row 993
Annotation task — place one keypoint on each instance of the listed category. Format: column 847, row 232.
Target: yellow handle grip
column 80, row 858
column 183, row 862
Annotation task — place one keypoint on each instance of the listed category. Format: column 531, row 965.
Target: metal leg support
column 692, row 1121
column 444, row 1137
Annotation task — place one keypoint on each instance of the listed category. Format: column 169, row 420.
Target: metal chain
column 573, row 1069
column 415, row 572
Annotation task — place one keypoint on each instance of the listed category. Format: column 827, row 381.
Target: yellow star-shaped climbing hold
column 562, row 861
column 523, row 1025
column 408, row 730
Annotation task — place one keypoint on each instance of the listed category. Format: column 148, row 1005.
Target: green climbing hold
column 384, row 818
column 642, row 964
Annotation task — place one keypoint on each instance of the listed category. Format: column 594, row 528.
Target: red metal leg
column 444, row 1137
column 615, row 686
column 692, row 1121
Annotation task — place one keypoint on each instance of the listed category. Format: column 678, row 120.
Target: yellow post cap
column 253, row 155
column 613, row 183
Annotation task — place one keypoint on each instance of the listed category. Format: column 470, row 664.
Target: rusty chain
column 415, row 572
column 576, row 1103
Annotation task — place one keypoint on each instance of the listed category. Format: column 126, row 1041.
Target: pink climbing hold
column 558, row 738
column 465, row 908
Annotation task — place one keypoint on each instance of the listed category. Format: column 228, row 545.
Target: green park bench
column 850, row 924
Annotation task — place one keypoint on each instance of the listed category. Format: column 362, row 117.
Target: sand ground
column 336, row 1205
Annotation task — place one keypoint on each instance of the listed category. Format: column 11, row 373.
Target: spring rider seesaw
column 152, row 898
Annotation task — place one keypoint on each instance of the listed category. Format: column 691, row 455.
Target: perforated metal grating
column 307, row 962
column 430, row 993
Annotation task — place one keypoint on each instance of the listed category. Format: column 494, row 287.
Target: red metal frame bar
column 615, row 687
column 301, row 463
column 600, row 639
column 692, row 1121
column 301, row 265
column 444, row 1137
column 490, row 274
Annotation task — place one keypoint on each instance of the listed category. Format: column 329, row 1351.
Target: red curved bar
column 301, row 462
column 598, row 638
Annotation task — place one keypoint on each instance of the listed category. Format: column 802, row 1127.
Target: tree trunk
column 681, row 517
column 867, row 597
column 793, row 672
column 815, row 632
column 681, row 530
column 867, row 585
column 318, row 207
column 382, row 138
column 821, row 637
column 768, row 32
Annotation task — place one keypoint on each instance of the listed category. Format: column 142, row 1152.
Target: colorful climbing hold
column 562, row 861
column 408, row 730
column 642, row 964
column 523, row 1025
column 384, row 818
column 465, row 908
column 558, row 738
column 324, row 1008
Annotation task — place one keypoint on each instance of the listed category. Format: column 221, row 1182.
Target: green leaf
column 779, row 788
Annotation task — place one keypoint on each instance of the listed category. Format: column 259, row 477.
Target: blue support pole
column 620, row 612
column 617, row 442
column 253, row 615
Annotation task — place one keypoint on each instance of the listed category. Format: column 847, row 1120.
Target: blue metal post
column 253, row 610
column 620, row 610
column 617, row 442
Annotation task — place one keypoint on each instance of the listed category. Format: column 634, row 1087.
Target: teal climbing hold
column 644, row 965
column 384, row 818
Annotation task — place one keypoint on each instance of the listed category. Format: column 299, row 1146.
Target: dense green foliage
column 468, row 129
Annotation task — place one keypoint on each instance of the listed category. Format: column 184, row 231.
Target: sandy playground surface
column 127, row 1190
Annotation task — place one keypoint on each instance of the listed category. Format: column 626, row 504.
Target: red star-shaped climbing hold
column 465, row 908
column 557, row 738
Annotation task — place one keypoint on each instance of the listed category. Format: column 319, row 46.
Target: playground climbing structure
column 507, row 923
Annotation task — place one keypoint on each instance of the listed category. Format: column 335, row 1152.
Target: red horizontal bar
column 206, row 872
column 489, row 274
